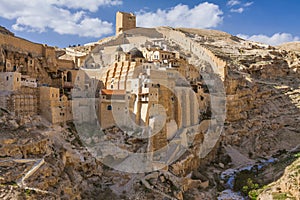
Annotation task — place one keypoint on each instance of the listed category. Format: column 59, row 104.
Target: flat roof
column 113, row 92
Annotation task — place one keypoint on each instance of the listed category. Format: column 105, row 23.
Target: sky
column 71, row 22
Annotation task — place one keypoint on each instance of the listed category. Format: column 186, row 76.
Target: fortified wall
column 219, row 65
column 23, row 46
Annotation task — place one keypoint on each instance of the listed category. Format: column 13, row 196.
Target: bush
column 250, row 186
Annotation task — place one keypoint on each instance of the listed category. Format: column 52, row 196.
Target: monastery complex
column 137, row 79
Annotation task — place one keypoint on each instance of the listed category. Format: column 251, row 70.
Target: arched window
column 109, row 107
column 69, row 77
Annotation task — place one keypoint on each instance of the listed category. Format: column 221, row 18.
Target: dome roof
column 135, row 53
column 119, row 48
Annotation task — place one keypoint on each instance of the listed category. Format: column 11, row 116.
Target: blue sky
column 67, row 22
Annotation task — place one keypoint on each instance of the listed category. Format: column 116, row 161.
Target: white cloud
column 91, row 5
column 241, row 8
column 204, row 15
column 276, row 39
column 39, row 16
column 233, row 2
column 248, row 4
column 238, row 10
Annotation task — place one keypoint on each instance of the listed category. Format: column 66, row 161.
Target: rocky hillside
column 288, row 186
column 262, row 86
column 263, row 101
column 40, row 161
column 3, row 30
column 290, row 46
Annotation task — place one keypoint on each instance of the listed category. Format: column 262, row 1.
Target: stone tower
column 124, row 22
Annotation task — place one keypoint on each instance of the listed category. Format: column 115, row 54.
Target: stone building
column 10, row 81
column 124, row 22
column 113, row 109
column 124, row 67
column 17, row 96
column 54, row 107
column 149, row 89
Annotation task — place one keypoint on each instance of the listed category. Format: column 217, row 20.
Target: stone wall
column 85, row 110
column 21, row 45
column 187, row 43
column 65, row 64
column 113, row 113
column 22, row 102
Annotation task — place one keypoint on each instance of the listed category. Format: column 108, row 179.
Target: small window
column 109, row 107
column 17, row 79
column 7, row 78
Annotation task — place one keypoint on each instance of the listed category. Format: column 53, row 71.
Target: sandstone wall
column 21, row 45
column 65, row 64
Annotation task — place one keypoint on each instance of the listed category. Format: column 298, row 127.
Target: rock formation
column 262, row 89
